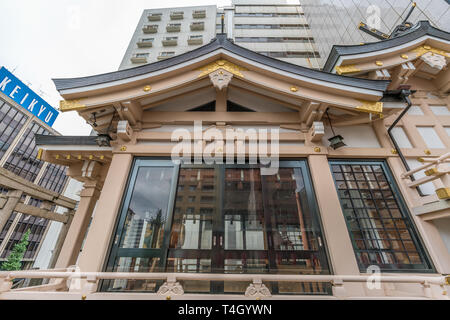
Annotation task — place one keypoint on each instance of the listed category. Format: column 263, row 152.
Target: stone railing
column 71, row 284
column 436, row 171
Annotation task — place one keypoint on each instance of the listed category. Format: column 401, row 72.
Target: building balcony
column 173, row 28
column 170, row 42
column 165, row 55
column 176, row 15
column 150, row 28
column 199, row 14
column 145, row 43
column 139, row 58
column 154, row 17
column 195, row 40
column 197, row 26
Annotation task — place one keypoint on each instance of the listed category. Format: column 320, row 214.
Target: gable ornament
column 220, row 78
column 222, row 64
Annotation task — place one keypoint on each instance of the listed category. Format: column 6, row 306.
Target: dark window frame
column 402, row 208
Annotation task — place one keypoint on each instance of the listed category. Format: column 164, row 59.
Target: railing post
column 74, row 280
column 427, row 290
column 339, row 289
column 171, row 287
column 90, row 286
column 257, row 290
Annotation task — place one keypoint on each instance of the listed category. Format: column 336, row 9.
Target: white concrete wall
column 443, row 225
column 362, row 136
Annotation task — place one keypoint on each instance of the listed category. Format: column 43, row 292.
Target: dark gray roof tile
column 65, row 140
column 220, row 41
column 421, row 29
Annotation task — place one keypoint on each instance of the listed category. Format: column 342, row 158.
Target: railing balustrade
column 71, row 280
column 436, row 171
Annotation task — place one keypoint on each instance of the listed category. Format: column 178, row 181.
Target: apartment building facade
column 272, row 28
column 163, row 33
column 22, row 115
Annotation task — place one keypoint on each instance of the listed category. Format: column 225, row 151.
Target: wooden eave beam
column 41, row 213
column 167, row 136
column 162, row 117
column 11, row 181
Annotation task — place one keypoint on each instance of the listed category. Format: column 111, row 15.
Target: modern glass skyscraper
column 336, row 21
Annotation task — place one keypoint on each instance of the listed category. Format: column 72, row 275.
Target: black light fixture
column 337, row 141
column 103, row 140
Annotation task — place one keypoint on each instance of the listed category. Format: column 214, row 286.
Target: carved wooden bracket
column 171, row 288
column 317, row 131
column 435, row 61
column 257, row 290
column 124, row 131
column 91, row 169
column 220, row 78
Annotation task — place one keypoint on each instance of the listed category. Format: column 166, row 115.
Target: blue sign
column 26, row 98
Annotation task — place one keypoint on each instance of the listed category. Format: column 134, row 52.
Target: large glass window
column 54, row 178
column 11, row 121
column 219, row 219
column 379, row 224
column 23, row 160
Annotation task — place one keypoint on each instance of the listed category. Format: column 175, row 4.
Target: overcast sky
column 45, row 39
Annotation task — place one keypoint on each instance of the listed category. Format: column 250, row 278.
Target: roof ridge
column 219, row 42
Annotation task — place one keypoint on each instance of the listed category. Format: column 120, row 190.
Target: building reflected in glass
column 336, row 21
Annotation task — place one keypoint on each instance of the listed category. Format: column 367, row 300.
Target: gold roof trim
column 222, row 64
column 370, row 107
column 420, row 51
column 351, row 68
column 70, row 105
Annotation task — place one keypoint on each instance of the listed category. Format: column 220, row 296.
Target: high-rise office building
column 335, row 22
column 22, row 115
column 273, row 28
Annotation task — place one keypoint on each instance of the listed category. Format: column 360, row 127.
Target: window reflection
column 192, row 222
column 381, row 231
column 134, row 264
column 243, row 210
column 147, row 212
column 224, row 220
